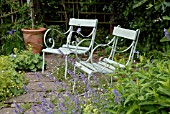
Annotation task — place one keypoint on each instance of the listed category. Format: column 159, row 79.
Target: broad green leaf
column 166, row 18
column 158, row 5
column 140, row 75
column 167, row 4
column 166, row 84
column 164, row 112
column 129, row 98
column 132, row 108
column 149, row 6
column 32, row 66
column 149, row 109
column 152, row 111
column 164, row 101
column 164, row 39
column 145, row 85
column 148, row 103
column 111, row 111
column 141, row 98
column 164, row 90
column 139, row 3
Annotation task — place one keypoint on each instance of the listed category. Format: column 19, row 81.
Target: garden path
column 52, row 61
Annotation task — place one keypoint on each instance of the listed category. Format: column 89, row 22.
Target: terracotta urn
column 34, row 38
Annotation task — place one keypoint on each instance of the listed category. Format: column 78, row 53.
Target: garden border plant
column 25, row 60
column 136, row 89
column 13, row 13
column 148, row 16
column 11, row 81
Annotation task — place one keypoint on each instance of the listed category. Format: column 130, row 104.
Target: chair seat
column 64, row 50
column 74, row 47
column 51, row 50
column 104, row 67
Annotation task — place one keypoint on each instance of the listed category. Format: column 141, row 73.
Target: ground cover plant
column 137, row 89
column 25, row 60
column 12, row 71
column 10, row 40
column 144, row 88
column 11, row 81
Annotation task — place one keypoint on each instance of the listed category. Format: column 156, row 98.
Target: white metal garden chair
column 72, row 46
column 107, row 65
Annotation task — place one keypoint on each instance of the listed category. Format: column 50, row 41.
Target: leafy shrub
column 142, row 89
column 146, row 15
column 27, row 61
column 11, row 82
column 102, row 36
column 10, row 41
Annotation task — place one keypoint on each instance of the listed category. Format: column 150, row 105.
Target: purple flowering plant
column 166, row 35
column 65, row 101
column 12, row 39
column 11, row 31
column 88, row 96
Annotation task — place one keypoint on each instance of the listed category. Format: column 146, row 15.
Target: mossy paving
column 33, row 83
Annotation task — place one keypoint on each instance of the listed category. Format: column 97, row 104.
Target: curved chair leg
column 43, row 63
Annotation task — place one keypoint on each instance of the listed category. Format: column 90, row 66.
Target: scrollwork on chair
column 72, row 46
column 51, row 40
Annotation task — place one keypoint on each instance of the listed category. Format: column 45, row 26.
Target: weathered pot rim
column 33, row 30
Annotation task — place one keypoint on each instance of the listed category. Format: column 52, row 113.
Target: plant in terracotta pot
column 33, row 35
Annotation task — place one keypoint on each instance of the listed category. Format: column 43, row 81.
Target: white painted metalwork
column 107, row 65
column 72, row 47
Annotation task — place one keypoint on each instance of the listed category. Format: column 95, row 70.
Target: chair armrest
column 92, row 51
column 100, row 45
column 51, row 40
column 78, row 47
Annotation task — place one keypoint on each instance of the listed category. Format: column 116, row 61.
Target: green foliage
column 51, row 7
column 19, row 15
column 26, row 106
column 26, row 60
column 144, row 88
column 10, row 41
column 59, row 38
column 167, row 35
column 86, row 5
column 59, row 72
column 11, row 82
column 166, row 53
column 15, row 15
column 26, row 24
column 145, row 15
column 2, row 105
column 89, row 109
column 102, row 36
